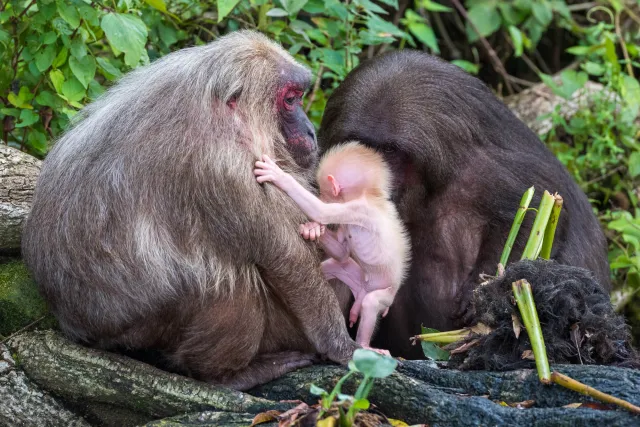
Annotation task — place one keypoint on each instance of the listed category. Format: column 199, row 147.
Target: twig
column 515, row 227
column 606, row 175
column 543, row 64
column 455, row 52
column 550, row 231
column 26, row 9
column 497, row 65
column 581, row 6
column 521, row 81
column 623, row 46
column 584, row 389
column 316, row 86
column 22, row 329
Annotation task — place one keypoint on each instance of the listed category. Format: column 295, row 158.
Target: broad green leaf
column 630, row 92
column 126, row 33
column 69, row 13
column 27, row 118
column 4, row 36
column 13, row 112
column 49, row 99
column 157, row 4
column 61, row 58
column 393, row 3
column 109, row 71
column 373, row 364
column 38, row 141
column 516, row 38
column 95, row 90
column 293, row 6
column 21, row 100
column 510, row 14
column 432, row 350
column 469, row 67
column 542, row 12
column 425, row 34
column 370, row 6
column 634, row 165
column 318, row 391
column 383, row 28
column 276, row 12
column 593, row 68
column 44, row 58
column 57, row 79
column 84, row 69
column 49, row 38
column 579, row 50
column 78, row 48
column 434, row 7
column 73, row 90
column 225, row 7
column 361, row 404
column 486, row 19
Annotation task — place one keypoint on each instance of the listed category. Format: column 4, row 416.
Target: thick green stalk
column 515, row 227
column 550, row 231
column 527, row 307
column 534, row 244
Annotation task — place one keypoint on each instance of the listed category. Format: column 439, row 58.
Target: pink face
column 295, row 125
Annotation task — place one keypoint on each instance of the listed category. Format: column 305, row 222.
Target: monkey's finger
column 265, row 178
column 262, row 165
column 261, row 171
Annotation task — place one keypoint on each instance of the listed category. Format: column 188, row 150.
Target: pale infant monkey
column 370, row 251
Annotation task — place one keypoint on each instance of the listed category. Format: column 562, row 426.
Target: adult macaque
column 148, row 230
column 370, row 249
column 460, row 162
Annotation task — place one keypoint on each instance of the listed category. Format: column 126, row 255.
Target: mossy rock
column 20, row 301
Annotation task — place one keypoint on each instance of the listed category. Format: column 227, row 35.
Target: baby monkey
column 370, row 250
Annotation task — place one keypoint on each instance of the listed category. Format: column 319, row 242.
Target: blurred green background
column 58, row 55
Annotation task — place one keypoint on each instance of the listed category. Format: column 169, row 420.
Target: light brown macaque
column 148, row 230
column 370, row 250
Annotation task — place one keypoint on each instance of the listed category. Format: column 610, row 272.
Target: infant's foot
column 378, row 350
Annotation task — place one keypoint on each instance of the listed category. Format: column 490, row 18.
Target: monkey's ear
column 232, row 103
column 334, row 185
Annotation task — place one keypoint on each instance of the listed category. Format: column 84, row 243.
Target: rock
column 24, row 404
column 20, row 301
column 18, row 175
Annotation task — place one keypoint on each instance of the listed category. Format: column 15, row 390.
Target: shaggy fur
column 564, row 296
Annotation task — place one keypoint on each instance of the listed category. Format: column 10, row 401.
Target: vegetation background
column 58, row 55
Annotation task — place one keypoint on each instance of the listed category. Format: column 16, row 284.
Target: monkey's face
column 294, row 123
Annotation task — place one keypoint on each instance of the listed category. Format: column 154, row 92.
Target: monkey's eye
column 290, row 100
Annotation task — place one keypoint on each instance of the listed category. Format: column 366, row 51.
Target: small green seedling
column 370, row 364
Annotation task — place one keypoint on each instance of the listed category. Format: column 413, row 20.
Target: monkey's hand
column 268, row 171
column 312, row 230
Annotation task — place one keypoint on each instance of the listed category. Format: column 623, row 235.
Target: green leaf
column 109, row 71
column 318, row 391
column 579, row 50
column 27, row 118
column 157, row 4
column 4, row 37
column 630, row 92
column 634, row 164
column 383, row 28
column 469, row 67
column 370, row 6
column 69, row 13
column 61, row 58
column 362, row 404
column 392, row 3
column 44, row 58
column 78, row 48
column 126, row 33
column 73, row 90
column 49, row 38
column 57, row 79
column 425, row 34
column 516, row 38
column 373, row 364
column 542, row 12
column 84, row 69
column 37, row 141
column 21, row 100
column 293, row 6
column 435, row 7
column 430, row 349
column 225, row 7
column 593, row 68
column 276, row 12
column 486, row 19
column 95, row 90
column 48, row 99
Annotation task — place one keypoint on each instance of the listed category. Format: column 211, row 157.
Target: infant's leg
column 373, row 304
column 350, row 273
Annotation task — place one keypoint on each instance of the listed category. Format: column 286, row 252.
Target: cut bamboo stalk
column 550, row 231
column 515, row 227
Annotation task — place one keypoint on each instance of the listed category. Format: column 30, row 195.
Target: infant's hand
column 312, row 230
column 269, row 171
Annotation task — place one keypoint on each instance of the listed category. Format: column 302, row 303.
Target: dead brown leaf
column 572, row 405
column 517, row 326
column 264, row 417
column 481, row 329
column 523, row 405
column 464, row 347
column 528, row 354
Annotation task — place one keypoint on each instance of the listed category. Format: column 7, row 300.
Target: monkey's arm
column 334, row 245
column 314, row 208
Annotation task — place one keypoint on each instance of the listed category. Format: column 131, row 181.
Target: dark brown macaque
column 149, row 231
column 461, row 162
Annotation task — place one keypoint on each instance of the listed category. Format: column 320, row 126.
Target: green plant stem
column 550, row 231
column 443, row 337
column 534, row 244
column 515, row 227
column 529, row 314
column 584, row 389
